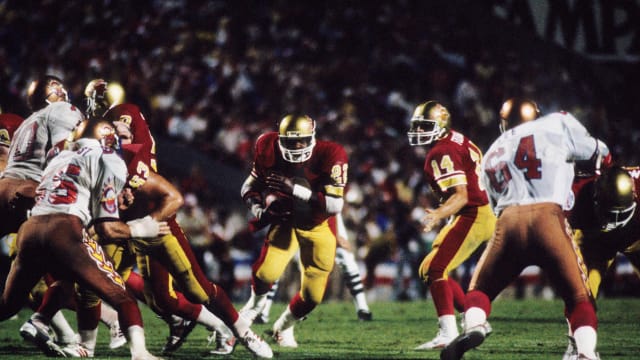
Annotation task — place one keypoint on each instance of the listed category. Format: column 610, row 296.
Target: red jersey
column 130, row 115
column 455, row 160
column 325, row 172
column 8, row 125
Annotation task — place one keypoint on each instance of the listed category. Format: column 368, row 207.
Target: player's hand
column 125, row 198
column 430, row 220
column 279, row 183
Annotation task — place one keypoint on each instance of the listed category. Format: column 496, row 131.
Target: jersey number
column 525, row 159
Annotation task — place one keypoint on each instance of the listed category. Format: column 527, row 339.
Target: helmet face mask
column 100, row 96
column 430, row 121
column 296, row 138
column 614, row 199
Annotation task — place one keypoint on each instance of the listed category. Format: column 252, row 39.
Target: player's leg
column 317, row 257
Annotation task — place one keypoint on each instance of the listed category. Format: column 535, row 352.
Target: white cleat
column 77, row 351
column 117, row 336
column 439, row 342
column 38, row 333
column 253, row 307
column 256, row 345
column 144, row 356
column 285, row 338
column 223, row 345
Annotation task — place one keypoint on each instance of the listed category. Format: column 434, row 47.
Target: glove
column 279, row 183
column 145, row 227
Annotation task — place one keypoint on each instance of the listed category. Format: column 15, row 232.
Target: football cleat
column 285, row 338
column 223, row 345
column 364, row 315
column 256, row 345
column 117, row 338
column 178, row 333
column 38, row 334
column 77, row 351
column 262, row 318
column 145, row 355
column 470, row 339
column 440, row 341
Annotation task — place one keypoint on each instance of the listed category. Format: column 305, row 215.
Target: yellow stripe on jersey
column 451, row 181
column 337, row 191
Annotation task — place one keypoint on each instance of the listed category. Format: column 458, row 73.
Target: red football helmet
column 44, row 91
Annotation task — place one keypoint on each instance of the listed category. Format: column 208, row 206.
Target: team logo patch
column 109, row 199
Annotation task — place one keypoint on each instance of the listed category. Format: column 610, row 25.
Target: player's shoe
column 253, row 307
column 583, row 357
column 262, row 318
column 38, row 333
column 572, row 349
column 364, row 315
column 222, row 345
column 144, row 356
column 77, row 351
column 439, row 342
column 285, row 338
column 178, row 333
column 256, row 345
column 117, row 338
column 470, row 339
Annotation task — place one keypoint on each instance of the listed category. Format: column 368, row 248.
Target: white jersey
column 534, row 162
column 84, row 182
column 36, row 136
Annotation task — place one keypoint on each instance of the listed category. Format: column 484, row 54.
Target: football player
column 452, row 168
column 529, row 186
column 52, row 120
column 171, row 258
column 296, row 184
column 606, row 222
column 8, row 125
column 80, row 187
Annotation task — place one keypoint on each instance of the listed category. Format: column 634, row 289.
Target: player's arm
column 114, row 230
column 167, row 198
column 451, row 206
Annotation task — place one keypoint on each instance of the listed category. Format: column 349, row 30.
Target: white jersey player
column 534, row 162
column 36, row 136
column 528, row 173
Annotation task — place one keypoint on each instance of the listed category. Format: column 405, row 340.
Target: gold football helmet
column 296, row 137
column 516, row 111
column 614, row 198
column 100, row 96
column 430, row 121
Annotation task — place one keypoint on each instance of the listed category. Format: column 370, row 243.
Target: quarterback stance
column 295, row 185
column 452, row 168
column 528, row 172
column 80, row 187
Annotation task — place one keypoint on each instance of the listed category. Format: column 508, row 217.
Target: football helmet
column 614, row 198
column 516, row 111
column 430, row 121
column 101, row 95
column 8, row 125
column 296, row 137
column 101, row 130
column 44, row 91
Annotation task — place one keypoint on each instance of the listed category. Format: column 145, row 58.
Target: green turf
column 531, row 329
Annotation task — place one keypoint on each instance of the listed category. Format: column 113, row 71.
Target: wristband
column 302, row 192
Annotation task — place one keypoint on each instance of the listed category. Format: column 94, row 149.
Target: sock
column 88, row 338
column 586, row 339
column 286, row 320
column 271, row 295
column 442, row 297
column 62, row 329
column 351, row 274
column 107, row 314
column 135, row 334
column 473, row 317
column 448, row 325
column 458, row 294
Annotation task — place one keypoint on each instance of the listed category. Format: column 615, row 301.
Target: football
column 278, row 204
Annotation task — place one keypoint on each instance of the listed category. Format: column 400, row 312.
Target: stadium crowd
column 216, row 74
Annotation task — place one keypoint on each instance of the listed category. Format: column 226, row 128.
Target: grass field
column 529, row 329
